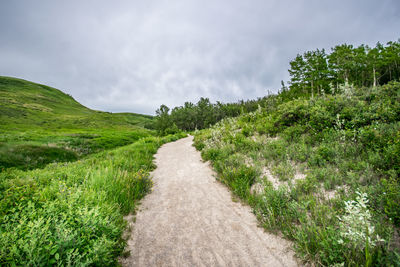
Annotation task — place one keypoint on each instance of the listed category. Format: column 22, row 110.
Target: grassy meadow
column 323, row 171
column 41, row 125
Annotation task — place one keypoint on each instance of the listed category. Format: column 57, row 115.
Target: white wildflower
column 356, row 226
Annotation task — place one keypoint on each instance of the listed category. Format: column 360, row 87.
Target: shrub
column 320, row 118
column 293, row 133
column 357, row 230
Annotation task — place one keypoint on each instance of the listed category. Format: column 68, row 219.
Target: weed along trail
column 190, row 220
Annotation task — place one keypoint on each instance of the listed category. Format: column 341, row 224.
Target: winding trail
column 190, row 220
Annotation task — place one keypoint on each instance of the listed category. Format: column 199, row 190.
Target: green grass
column 343, row 145
column 30, row 156
column 72, row 213
column 41, row 125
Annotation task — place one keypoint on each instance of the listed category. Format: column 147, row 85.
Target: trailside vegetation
column 71, row 214
column 324, row 171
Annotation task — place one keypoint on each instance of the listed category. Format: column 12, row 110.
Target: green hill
column 41, row 124
column 26, row 104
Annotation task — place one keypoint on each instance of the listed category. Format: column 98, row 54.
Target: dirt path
column 190, row 220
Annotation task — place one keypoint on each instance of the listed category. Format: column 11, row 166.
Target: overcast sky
column 136, row 55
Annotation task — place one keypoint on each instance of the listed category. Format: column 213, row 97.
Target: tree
column 374, row 63
column 297, row 72
column 310, row 72
column 359, row 73
column 318, row 70
column 205, row 114
column 341, row 62
column 390, row 68
column 163, row 120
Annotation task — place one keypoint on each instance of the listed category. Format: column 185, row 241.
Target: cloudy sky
column 136, row 55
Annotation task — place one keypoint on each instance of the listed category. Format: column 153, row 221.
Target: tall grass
column 35, row 148
column 72, row 213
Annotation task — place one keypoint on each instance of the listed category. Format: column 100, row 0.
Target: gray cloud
column 135, row 55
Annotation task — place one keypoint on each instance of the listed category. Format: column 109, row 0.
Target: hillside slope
column 40, row 124
column 323, row 171
column 29, row 104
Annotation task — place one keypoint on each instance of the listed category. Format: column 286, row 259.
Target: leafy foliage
column 316, row 72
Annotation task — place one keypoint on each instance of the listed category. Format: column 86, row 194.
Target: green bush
column 291, row 113
column 235, row 174
column 211, row 154
column 320, row 118
column 247, row 131
column 293, row 133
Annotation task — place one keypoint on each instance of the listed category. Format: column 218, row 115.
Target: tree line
column 312, row 73
column 201, row 115
column 317, row 72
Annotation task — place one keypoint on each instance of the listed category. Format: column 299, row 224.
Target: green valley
column 40, row 125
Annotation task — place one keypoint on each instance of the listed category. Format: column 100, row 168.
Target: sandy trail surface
column 190, row 220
